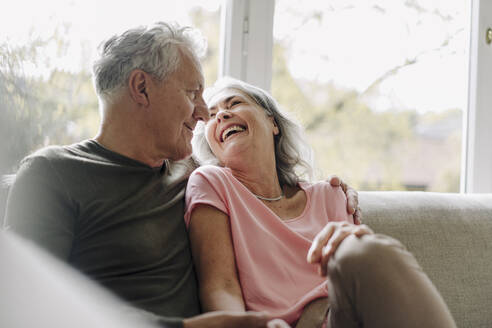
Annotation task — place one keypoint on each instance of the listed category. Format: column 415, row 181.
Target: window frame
column 247, row 41
column 476, row 175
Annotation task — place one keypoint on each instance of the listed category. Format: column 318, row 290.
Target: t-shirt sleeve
column 341, row 199
column 204, row 187
column 39, row 208
column 335, row 201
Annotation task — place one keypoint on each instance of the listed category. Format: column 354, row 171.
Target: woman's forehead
column 224, row 95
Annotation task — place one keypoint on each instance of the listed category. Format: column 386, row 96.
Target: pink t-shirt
column 270, row 252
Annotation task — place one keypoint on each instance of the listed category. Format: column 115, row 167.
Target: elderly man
column 112, row 206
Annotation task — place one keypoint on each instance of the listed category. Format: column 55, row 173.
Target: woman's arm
column 213, row 256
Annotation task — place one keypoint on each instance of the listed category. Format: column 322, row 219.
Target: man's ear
column 137, row 85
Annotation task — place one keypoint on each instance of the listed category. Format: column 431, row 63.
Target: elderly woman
column 263, row 239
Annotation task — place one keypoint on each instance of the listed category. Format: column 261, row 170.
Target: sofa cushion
column 450, row 235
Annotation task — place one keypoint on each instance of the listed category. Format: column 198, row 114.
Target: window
column 380, row 86
column 476, row 175
column 46, row 53
column 382, row 101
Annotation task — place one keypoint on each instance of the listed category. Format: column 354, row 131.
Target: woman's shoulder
column 329, row 198
column 209, row 172
column 210, row 180
column 314, row 185
column 322, row 186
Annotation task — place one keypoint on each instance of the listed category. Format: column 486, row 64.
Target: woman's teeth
column 231, row 130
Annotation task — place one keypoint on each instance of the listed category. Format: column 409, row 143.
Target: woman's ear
column 276, row 130
column 137, row 85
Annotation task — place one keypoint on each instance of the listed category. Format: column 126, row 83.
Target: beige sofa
column 451, row 237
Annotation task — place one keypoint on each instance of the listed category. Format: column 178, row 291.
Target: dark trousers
column 374, row 282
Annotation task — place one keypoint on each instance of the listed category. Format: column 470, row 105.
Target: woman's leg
column 375, row 282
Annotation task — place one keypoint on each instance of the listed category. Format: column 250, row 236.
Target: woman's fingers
column 277, row 323
column 327, row 241
column 321, row 239
column 340, row 234
column 362, row 230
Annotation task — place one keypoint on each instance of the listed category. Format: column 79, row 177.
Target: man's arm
column 39, row 208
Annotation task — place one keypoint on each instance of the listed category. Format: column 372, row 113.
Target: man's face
column 177, row 104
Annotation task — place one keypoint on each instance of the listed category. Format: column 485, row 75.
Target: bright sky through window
column 85, row 23
column 357, row 42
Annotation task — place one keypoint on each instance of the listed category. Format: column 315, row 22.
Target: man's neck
column 129, row 146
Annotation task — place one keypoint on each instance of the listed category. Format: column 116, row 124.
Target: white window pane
column 379, row 85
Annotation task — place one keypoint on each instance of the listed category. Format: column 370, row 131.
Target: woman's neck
column 261, row 179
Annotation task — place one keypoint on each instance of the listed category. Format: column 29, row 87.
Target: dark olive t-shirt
column 115, row 219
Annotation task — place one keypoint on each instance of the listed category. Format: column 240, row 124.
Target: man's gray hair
column 294, row 157
column 154, row 49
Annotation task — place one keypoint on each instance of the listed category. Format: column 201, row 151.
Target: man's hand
column 327, row 241
column 352, row 198
column 225, row 319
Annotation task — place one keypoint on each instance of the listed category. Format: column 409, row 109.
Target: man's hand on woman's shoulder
column 352, row 198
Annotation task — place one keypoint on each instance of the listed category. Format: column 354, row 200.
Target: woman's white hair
column 294, row 157
column 154, row 49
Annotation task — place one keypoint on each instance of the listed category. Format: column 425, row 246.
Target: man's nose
column 201, row 110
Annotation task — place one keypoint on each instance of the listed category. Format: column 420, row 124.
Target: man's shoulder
column 47, row 160
column 57, row 152
column 49, row 152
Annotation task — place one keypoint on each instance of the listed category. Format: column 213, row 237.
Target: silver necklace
column 270, row 199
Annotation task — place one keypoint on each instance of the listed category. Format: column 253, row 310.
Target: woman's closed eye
column 212, row 112
column 234, row 103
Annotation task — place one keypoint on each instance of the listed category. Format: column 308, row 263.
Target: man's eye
column 212, row 115
column 192, row 94
column 234, row 103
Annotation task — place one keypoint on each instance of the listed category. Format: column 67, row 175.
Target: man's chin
column 182, row 155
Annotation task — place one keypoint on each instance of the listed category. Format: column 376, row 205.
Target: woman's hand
column 226, row 319
column 352, row 198
column 327, row 241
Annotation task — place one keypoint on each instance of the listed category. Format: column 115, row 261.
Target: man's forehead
column 196, row 77
column 193, row 67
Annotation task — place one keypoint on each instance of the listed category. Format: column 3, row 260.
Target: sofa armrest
column 450, row 235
